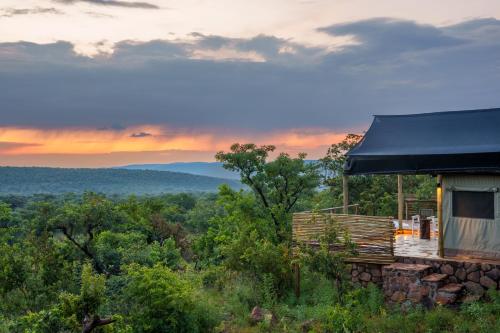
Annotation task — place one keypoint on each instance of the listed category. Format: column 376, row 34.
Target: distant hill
column 211, row 169
column 31, row 180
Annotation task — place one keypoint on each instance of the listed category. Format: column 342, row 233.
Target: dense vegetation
column 25, row 181
column 202, row 262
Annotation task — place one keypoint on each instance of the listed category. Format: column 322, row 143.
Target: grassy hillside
column 25, row 181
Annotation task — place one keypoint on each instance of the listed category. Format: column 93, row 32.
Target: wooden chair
column 434, row 225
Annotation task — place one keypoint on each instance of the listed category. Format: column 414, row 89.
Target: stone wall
column 365, row 273
column 404, row 283
column 476, row 277
column 428, row 281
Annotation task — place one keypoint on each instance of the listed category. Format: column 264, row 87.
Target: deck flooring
column 412, row 246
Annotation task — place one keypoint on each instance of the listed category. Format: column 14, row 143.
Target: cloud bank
column 257, row 84
column 113, row 3
column 10, row 12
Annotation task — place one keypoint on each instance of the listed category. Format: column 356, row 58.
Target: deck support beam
column 400, row 201
column 345, row 188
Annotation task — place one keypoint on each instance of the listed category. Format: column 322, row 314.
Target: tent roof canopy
column 439, row 142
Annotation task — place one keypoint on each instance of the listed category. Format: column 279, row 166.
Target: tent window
column 478, row 205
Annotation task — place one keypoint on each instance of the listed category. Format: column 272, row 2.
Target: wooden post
column 400, row 201
column 406, row 211
column 345, row 187
column 296, row 271
column 439, row 195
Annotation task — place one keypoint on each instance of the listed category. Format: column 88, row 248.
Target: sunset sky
column 97, row 83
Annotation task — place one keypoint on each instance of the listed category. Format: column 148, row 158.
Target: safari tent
column 460, row 148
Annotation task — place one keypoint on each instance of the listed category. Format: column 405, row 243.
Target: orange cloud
column 148, row 143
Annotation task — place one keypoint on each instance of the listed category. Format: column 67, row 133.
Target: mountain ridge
column 34, row 180
column 210, row 169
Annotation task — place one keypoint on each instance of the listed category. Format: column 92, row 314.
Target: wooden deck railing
column 373, row 235
column 353, row 209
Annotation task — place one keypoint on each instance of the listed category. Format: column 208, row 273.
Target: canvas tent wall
column 471, row 216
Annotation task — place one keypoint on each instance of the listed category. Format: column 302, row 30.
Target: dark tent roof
column 440, row 142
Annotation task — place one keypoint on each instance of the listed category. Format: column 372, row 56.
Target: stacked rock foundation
column 428, row 281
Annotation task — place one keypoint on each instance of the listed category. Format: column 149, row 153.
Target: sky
column 98, row 83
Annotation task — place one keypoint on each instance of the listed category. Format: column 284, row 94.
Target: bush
column 214, row 277
column 161, row 301
column 45, row 321
column 117, row 249
column 331, row 263
column 242, row 239
column 482, row 316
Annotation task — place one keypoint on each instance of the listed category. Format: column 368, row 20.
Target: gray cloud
column 396, row 67
column 272, row 48
column 140, row 135
column 391, row 35
column 138, row 53
column 10, row 12
column 98, row 15
column 115, row 3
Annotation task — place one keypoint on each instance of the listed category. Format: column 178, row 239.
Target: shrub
column 327, row 261
column 117, row 249
column 44, row 321
column 161, row 301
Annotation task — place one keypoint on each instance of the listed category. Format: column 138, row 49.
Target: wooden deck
column 406, row 245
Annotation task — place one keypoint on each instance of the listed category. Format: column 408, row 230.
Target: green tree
column 5, row 212
column 375, row 194
column 158, row 300
column 15, row 272
column 113, row 250
column 277, row 184
column 242, row 239
column 198, row 218
column 332, row 164
column 87, row 305
column 73, row 312
column 81, row 223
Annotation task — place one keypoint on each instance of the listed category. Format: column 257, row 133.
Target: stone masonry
column 475, row 277
column 404, row 282
column 428, row 281
column 366, row 273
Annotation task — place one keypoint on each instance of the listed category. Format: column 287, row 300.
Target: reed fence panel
column 373, row 235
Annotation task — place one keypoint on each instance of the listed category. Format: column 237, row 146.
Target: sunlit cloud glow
column 160, row 144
